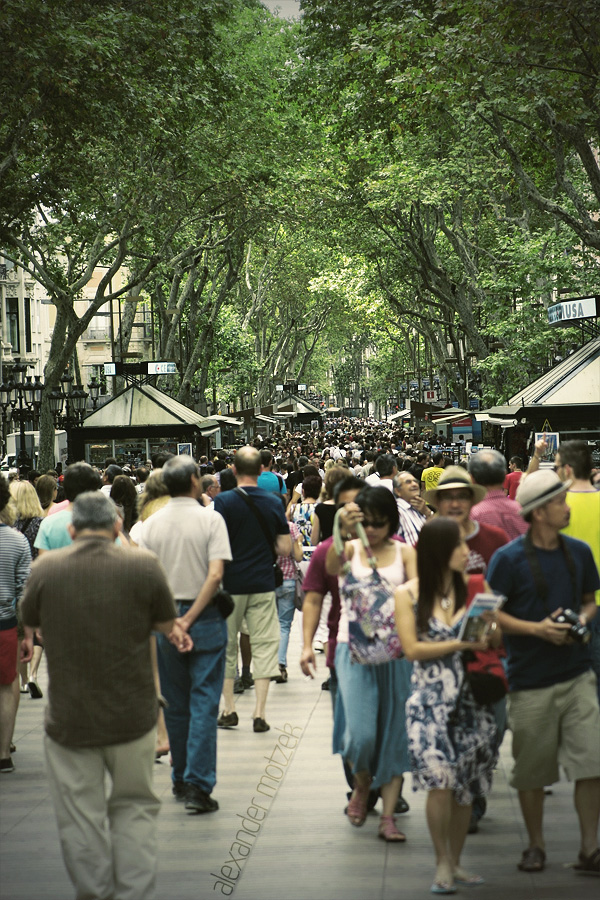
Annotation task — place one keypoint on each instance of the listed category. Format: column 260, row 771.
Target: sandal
column 589, row 865
column 443, row 887
column 388, row 831
column 469, row 880
column 357, row 808
column 533, row 860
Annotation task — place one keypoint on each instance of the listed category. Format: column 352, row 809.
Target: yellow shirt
column 585, row 522
column 431, row 476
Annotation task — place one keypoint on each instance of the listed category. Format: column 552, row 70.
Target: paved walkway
column 281, row 796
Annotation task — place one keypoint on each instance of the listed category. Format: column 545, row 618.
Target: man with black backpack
column 549, row 581
column 258, row 533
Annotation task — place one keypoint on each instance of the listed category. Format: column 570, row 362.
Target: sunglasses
column 375, row 523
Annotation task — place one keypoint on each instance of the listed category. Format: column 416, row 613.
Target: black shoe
column 282, row 677
column 247, row 680
column 326, row 685
column 198, row 801
column 238, row 687
column 6, row 766
column 179, row 789
column 401, row 806
column 260, row 725
column 35, row 690
column 227, row 720
column 473, row 825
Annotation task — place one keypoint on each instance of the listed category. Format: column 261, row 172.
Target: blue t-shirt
column 53, row 533
column 269, row 481
column 533, row 662
column 251, row 571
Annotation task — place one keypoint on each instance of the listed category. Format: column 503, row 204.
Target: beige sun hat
column 454, row 477
column 538, row 488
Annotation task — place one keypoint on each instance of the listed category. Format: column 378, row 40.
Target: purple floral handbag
column 372, row 636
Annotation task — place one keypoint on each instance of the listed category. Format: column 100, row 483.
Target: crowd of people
column 178, row 583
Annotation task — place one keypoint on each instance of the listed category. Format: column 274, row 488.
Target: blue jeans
column 191, row 684
column 285, row 610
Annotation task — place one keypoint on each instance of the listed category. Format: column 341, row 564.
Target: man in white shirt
column 192, row 543
column 385, row 470
column 412, row 509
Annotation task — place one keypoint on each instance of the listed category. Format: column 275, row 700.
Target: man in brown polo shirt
column 96, row 605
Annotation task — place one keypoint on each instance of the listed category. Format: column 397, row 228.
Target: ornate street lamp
column 73, row 400
column 94, row 387
column 20, row 393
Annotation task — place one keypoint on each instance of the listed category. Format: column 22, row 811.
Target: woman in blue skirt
column 369, row 723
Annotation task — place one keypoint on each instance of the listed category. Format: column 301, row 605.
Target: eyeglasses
column 375, row 523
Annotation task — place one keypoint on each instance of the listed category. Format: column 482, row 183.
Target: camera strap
column 541, row 585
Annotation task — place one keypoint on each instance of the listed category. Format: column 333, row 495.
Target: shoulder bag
column 372, row 636
column 278, row 574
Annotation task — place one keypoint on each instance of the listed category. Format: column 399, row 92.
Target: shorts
column 557, row 725
column 9, row 645
column 260, row 614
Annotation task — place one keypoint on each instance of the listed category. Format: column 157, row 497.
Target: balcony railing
column 96, row 334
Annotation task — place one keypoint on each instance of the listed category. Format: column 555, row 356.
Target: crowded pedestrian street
column 295, row 842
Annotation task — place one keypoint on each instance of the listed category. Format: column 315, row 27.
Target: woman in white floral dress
column 451, row 738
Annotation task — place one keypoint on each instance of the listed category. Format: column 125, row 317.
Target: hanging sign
column 572, row 310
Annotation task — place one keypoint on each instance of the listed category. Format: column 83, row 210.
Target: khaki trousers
column 108, row 842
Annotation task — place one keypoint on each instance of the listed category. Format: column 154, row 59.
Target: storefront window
column 131, row 452
column 164, row 445
column 96, row 453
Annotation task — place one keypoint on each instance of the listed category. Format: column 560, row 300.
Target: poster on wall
column 184, row 449
column 552, row 440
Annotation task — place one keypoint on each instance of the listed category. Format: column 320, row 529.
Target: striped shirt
column 411, row 522
column 15, row 563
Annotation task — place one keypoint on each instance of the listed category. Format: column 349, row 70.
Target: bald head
column 247, row 462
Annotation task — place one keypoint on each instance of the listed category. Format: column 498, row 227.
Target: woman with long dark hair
column 369, row 718
column 451, row 739
column 125, row 497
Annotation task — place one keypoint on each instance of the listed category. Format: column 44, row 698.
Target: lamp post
column 94, row 387
column 5, row 405
column 73, row 399
column 19, row 393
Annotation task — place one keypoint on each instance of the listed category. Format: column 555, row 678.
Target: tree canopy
column 385, row 190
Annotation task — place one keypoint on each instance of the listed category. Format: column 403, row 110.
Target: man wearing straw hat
column 454, row 496
column 553, row 706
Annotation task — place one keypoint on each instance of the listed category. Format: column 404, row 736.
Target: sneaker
column 228, row 720
column 247, row 680
column 35, row 690
column 6, row 766
column 238, row 687
column 198, row 801
column 178, row 789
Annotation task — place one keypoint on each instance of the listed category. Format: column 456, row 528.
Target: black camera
column 578, row 631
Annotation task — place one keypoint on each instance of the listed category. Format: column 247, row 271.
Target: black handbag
column 487, row 686
column 224, row 602
column 277, row 573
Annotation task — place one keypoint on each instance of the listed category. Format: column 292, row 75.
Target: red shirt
column 482, row 545
column 511, row 483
